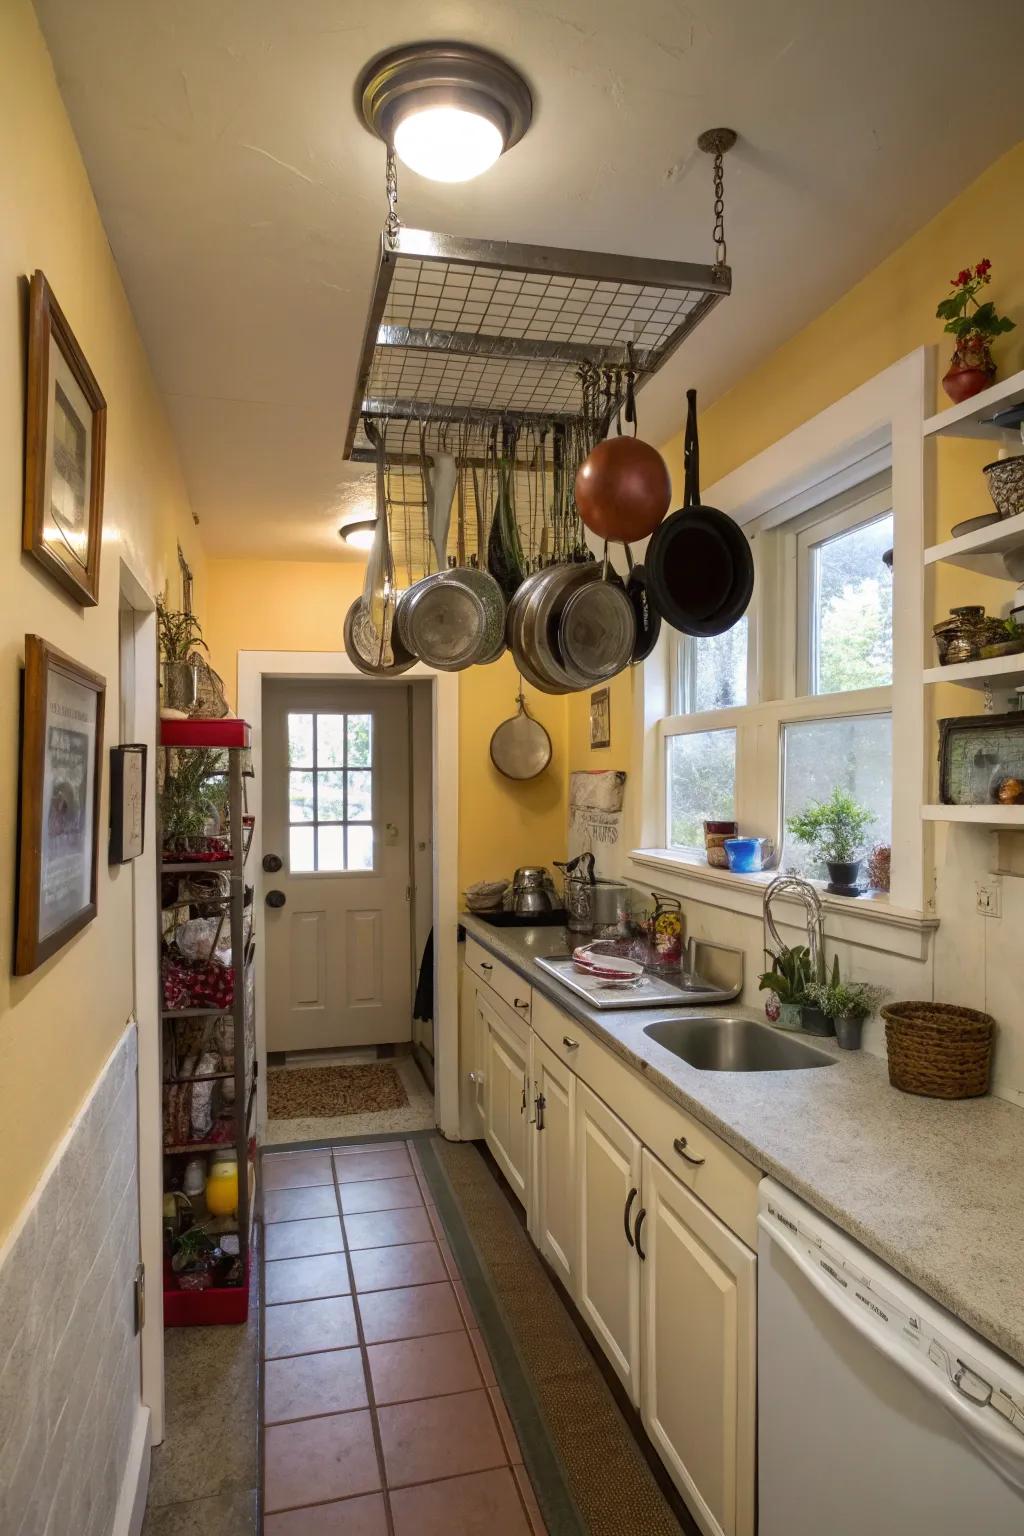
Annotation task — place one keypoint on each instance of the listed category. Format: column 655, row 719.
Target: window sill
column 869, row 921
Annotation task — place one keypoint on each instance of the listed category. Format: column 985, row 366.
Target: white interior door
column 608, row 1179
column 336, row 814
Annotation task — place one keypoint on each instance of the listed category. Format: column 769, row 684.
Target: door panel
column 505, row 1074
column 608, row 1170
column 336, row 811
column 554, row 1214
column 699, row 1297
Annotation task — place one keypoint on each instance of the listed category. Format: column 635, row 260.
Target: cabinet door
column 608, row 1201
column 699, row 1319
column 553, row 1215
column 505, row 1063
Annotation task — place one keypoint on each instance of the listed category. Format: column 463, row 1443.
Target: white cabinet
column 505, row 1053
column 698, row 1309
column 553, row 1206
column 608, row 1284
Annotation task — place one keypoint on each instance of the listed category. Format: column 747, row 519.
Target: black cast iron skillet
column 699, row 568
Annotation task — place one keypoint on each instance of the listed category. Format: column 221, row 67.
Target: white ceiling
column 243, row 199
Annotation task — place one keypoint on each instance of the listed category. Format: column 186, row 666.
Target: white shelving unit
column 1001, row 672
column 1004, row 818
column 973, row 418
column 982, row 550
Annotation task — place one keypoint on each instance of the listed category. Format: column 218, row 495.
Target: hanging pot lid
column 520, row 746
column 646, row 615
column 445, row 623
column 376, row 655
column 597, row 629
column 699, row 566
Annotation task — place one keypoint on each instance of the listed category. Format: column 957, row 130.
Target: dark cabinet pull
column 522, row 1003
column 485, row 965
column 539, row 1104
column 641, row 1213
column 625, row 1215
column 569, row 1043
column 680, row 1146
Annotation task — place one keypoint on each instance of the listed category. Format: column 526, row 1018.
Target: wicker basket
column 938, row 1050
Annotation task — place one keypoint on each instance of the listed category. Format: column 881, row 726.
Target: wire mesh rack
column 479, row 332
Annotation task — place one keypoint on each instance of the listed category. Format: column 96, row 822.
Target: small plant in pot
column 787, row 981
column 974, row 325
column 847, row 1004
column 180, row 635
column 834, row 829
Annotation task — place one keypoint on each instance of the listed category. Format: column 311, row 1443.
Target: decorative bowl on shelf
column 1005, row 481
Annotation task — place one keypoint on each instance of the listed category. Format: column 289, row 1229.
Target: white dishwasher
column 879, row 1414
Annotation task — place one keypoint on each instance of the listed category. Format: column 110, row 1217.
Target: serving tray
column 685, row 990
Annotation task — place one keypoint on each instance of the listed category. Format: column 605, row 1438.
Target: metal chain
column 718, row 233
column 392, row 224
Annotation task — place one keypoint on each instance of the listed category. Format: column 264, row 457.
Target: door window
column 330, row 792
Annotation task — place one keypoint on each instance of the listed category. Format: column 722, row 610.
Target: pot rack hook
column 718, row 142
column 392, row 224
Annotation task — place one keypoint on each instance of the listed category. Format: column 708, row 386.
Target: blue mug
column 749, row 855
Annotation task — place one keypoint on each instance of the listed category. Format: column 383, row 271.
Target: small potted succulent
column 974, row 325
column 834, row 830
column 788, row 982
column 179, row 634
column 847, row 1004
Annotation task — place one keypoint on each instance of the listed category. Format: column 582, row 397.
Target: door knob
column 276, row 898
column 271, row 863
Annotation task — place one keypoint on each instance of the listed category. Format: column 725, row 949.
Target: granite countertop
column 934, row 1188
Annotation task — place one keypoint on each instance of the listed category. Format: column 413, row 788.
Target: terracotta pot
column 623, row 489
column 971, row 370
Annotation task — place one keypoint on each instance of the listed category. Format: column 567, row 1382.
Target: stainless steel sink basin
column 735, row 1045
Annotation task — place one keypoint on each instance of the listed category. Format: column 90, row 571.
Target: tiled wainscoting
column 71, row 1423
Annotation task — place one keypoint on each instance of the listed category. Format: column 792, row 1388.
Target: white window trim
column 877, row 424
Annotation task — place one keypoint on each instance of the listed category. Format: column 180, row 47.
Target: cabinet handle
column 522, row 1002
column 477, row 1078
column 680, row 1146
column 485, row 965
column 641, row 1213
column 625, row 1215
column 522, row 1107
column 569, row 1043
column 539, row 1103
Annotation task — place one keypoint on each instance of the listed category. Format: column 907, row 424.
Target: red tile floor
column 381, row 1412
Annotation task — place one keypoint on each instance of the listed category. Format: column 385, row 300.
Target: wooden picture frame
column 601, row 718
column 65, row 451
column 59, row 802
column 127, row 802
column 978, row 753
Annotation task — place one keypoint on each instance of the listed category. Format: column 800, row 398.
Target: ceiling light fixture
column 359, row 534
column 448, row 110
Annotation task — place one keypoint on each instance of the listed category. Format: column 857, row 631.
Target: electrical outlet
column 990, row 898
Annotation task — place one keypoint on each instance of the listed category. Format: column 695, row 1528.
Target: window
column 330, row 792
column 701, row 784
column 851, row 751
column 845, row 598
column 712, row 672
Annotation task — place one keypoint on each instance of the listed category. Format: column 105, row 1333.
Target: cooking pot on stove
column 532, row 890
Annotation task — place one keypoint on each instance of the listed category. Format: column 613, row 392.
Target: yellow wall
column 300, row 606
column 58, row 1025
column 883, row 317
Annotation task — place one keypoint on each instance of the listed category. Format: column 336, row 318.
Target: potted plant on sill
column 974, row 325
column 179, row 635
column 847, row 1004
column 788, row 982
column 834, row 829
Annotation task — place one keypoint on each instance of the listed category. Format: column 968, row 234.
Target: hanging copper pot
column 623, row 489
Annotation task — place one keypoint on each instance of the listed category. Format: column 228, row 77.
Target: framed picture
column 65, row 443
column 127, row 803
column 601, row 718
column 981, row 760
column 58, row 813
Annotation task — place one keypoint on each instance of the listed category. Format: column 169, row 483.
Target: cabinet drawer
column 702, row 1161
column 499, row 977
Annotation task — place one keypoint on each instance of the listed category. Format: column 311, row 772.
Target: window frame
column 313, row 769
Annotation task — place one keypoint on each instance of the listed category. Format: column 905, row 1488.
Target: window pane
column 300, row 741
column 330, row 741
column 360, row 847
column 854, row 753
column 330, row 797
column 702, row 782
column 852, row 610
column 300, row 796
column 360, row 796
column 330, row 848
column 714, row 670
column 360, row 735
column 300, row 850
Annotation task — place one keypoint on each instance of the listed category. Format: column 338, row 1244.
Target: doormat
column 324, row 1093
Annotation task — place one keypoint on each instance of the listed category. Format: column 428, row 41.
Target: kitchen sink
column 735, row 1045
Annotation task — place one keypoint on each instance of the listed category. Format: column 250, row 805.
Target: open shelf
column 999, row 817
column 1000, row 672
column 973, row 418
column 982, row 550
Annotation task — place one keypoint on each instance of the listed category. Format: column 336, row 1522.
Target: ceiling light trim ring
column 448, row 74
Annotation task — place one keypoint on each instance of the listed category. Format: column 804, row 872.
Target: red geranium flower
column 982, row 268
column 962, row 278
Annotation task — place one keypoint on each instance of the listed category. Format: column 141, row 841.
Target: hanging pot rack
column 484, row 332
